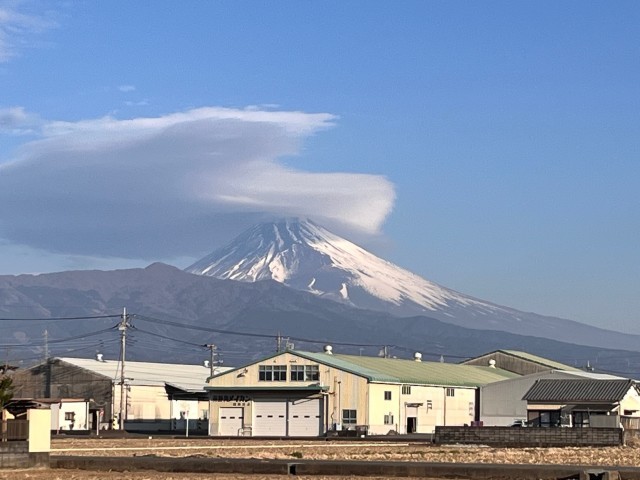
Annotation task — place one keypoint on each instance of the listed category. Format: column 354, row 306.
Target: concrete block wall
column 529, row 436
column 14, row 455
column 17, row 455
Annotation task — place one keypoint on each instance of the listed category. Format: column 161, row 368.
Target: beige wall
column 80, row 411
column 39, row 430
column 429, row 404
column 346, row 391
column 631, row 401
column 343, row 391
column 148, row 403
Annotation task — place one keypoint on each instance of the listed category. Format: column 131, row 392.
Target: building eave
column 283, row 388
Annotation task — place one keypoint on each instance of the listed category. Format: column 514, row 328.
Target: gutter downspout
column 400, row 423
column 444, row 407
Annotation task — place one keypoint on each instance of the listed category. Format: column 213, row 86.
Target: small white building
column 502, row 404
column 70, row 414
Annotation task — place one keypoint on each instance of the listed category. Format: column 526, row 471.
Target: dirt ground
column 320, row 450
column 288, row 450
column 85, row 475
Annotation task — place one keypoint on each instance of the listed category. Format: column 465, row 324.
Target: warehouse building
column 158, row 396
column 296, row 393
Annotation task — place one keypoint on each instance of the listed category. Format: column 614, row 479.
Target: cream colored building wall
column 431, row 403
column 631, row 402
column 459, row 410
column 146, row 403
column 197, row 409
column 344, row 391
column 379, row 408
column 39, row 430
column 79, row 411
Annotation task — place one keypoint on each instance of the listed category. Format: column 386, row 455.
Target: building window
column 551, row 418
column 70, row 416
column 297, row 373
column 406, row 389
column 387, row 395
column 311, row 373
column 272, row 373
column 451, row 392
column 388, row 419
column 305, row 373
column 349, row 417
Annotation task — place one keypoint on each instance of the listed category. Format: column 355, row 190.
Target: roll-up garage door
column 305, row 417
column 230, row 420
column 270, row 418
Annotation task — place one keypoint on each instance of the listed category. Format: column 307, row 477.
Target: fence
column 530, row 436
column 14, row 430
column 630, row 423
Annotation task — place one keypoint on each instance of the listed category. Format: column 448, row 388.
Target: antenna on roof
column 384, row 352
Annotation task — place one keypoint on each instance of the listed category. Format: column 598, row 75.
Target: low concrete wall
column 243, row 467
column 17, row 455
column 530, row 436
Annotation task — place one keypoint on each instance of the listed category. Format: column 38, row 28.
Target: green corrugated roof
column 393, row 370
column 541, row 360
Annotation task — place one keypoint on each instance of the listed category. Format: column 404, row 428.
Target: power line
column 201, row 329
column 246, row 334
column 46, row 319
column 59, row 340
column 136, row 329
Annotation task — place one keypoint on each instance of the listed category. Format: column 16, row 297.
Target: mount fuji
column 305, row 256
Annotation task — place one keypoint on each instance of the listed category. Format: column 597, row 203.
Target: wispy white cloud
column 126, row 88
column 17, row 29
column 17, row 121
column 169, row 186
column 139, row 103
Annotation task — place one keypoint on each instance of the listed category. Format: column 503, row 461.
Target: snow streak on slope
column 305, row 256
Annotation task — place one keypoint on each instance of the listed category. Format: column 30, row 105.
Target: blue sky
column 492, row 147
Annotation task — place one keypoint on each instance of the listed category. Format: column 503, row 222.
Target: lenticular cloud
column 166, row 186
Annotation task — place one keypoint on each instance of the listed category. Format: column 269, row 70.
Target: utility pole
column 213, row 360
column 123, row 345
column 279, row 343
column 46, row 345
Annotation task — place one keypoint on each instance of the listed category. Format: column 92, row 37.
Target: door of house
column 411, row 414
column 412, row 424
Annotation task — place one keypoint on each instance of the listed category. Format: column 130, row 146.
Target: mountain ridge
column 175, row 313
column 307, row 257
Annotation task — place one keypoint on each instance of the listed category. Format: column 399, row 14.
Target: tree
column 6, row 393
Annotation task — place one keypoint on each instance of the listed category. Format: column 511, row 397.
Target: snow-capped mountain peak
column 306, row 256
